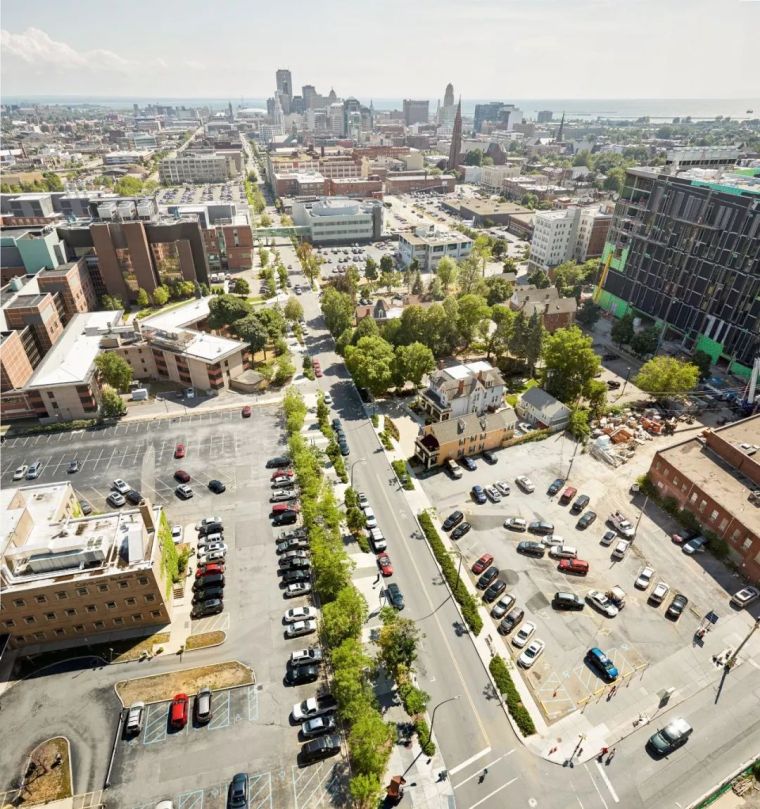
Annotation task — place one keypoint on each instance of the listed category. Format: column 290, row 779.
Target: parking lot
column 640, row 639
column 231, row 191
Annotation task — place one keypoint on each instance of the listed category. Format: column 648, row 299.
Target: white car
column 206, row 521
column 745, row 597
column 300, row 628
column 694, row 546
column 214, row 546
column 659, row 593
column 621, row 549
column 492, row 494
column 524, row 426
column 177, row 532
column 311, row 655
column 531, row 654
column 516, row 524
column 525, row 483
column 552, row 539
column 363, row 501
column 211, row 556
column 644, row 579
column 502, row 487
column 328, row 399
column 121, row 486
column 115, row 499
column 20, row 472
column 369, row 515
column 299, row 614
column 600, row 601
column 524, row 635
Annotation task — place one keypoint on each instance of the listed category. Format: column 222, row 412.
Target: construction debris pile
column 615, row 438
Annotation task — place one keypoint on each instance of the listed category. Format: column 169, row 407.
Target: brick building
column 74, row 284
column 556, row 312
column 713, row 476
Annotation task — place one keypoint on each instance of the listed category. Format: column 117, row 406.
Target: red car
column 485, row 561
column 317, row 367
column 179, row 451
column 208, row 570
column 282, row 473
column 278, row 508
column 182, row 476
column 384, row 563
column 178, row 711
column 247, row 412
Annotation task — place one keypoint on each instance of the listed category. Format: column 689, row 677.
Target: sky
column 499, row 49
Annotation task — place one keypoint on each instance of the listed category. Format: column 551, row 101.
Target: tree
column 293, row 310
column 498, row 340
column 369, row 742
column 355, row 519
column 413, row 361
column 338, row 311
column 569, row 277
column 469, row 276
column 570, row 363
column 142, row 298
column 646, row 341
column 499, row 248
column 397, row 642
column 114, row 370
column 370, row 363
column 52, row 181
column 112, row 302
column 389, row 279
column 128, row 186
column 539, row 279
column 343, row 340
column 344, row 617
column 446, row 272
column 366, row 790
column 622, row 329
column 499, row 289
column 578, row 426
column 224, row 310
column 588, row 313
column 284, row 370
column 474, row 157
column 273, row 320
column 615, row 180
column 241, row 287
column 703, row 361
column 510, row 265
column 667, row 377
column 472, row 310
column 370, row 269
column 111, row 404
column 386, row 264
column 435, row 289
column 366, row 327
column 350, row 687
column 481, row 249
column 252, row 330
column 417, row 287
column 263, row 256
column 160, row 295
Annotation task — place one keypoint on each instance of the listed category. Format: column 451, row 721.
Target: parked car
column 695, row 545
column 72, row 467
column 179, row 451
column 598, row 660
column 659, row 593
column 503, row 488
column 580, row 503
column 237, row 792
column 512, row 619
column 300, row 628
column 478, row 495
column 384, row 563
column 319, row 725
column 178, row 711
column 460, row 530
column 599, row 601
column 299, row 614
column 531, row 654
column 135, row 716
column 555, row 487
column 487, row 577
column 669, row 738
column 395, row 596
column 318, row 749
column 494, row 590
column 745, row 597
column 311, row 654
column 202, row 707
column 483, row 563
column 525, row 483
column 502, row 606
column 213, row 569
column 488, row 456
column 468, row 463
column 284, row 518
column 577, row 567
column 116, row 499
column 541, row 527
column 586, row 520
column 246, row 412
column 492, row 493
column 452, row 520
column 121, row 486
column 567, row 601
column 216, row 486
column 608, row 537
column 278, row 462
column 182, row 476
column 298, row 675
column 183, row 491
column 644, row 579
column 531, row 549
column 677, row 606
column 20, row 472
column 524, row 634
column 205, row 608
column 515, row 524
column 33, row 472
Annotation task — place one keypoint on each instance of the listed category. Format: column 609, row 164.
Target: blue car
column 478, row 495
column 468, row 464
column 599, row 660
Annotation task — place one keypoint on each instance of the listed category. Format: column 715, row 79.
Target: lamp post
column 627, row 377
column 432, row 723
column 359, row 460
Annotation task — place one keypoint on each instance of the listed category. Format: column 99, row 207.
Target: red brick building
column 712, row 476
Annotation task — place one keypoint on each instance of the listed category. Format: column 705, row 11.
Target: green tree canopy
column 622, row 329
column 273, row 320
column 579, row 423
column 293, row 310
column 253, row 331
column 588, row 313
column 386, row 264
column 473, row 309
column 499, row 289
column 413, row 361
column 366, row 327
column 224, row 310
column 646, row 341
column 240, row 286
column 667, row 377
column 470, row 280
column 369, row 742
column 570, row 363
column 446, row 270
column 397, row 642
column 114, row 370
column 160, row 295
column 338, row 311
column 111, row 405
column 370, row 269
column 370, row 363
column 539, row 279
column 703, row 361
column 142, row 298
column 344, row 617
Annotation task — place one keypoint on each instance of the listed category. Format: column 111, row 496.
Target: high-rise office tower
column 309, row 93
column 284, row 88
column 456, row 138
column 448, row 96
column 415, row 112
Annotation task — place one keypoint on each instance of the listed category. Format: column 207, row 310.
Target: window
column 59, row 632
column 78, row 627
column 150, row 597
column 69, row 613
column 714, row 515
column 19, row 602
column 137, row 617
column 62, row 596
column 102, row 588
column 98, row 624
column 123, row 584
column 693, row 498
column 40, row 599
column 142, row 581
column 130, row 602
column 50, row 616
column 155, row 613
column 723, row 524
column 110, row 605
column 9, row 624
column 39, row 636
column 702, row 505
column 82, row 591
column 29, row 619
column 91, row 608
column 118, row 621
column 746, row 544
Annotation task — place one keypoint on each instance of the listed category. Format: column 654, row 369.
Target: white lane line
column 601, row 797
column 491, row 794
column 464, row 764
column 475, row 775
column 607, row 781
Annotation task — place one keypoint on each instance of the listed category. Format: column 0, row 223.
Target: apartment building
column 229, row 247
column 475, row 387
column 340, row 220
column 196, row 167
column 683, row 252
column 428, row 245
column 73, row 282
column 571, row 234
column 409, row 182
column 67, row 579
column 468, row 435
column 713, row 476
column 492, row 177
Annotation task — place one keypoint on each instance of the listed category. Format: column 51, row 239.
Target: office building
column 545, row 116
column 196, row 167
column 284, row 82
column 66, row 579
column 416, row 112
column 574, row 234
column 448, row 96
column 456, row 139
column 713, row 476
column 497, row 115
column 74, row 283
column 683, row 252
column 339, row 220
column 409, row 182
column 428, row 245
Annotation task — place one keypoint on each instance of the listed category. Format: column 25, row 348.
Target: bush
column 414, row 699
column 461, row 594
column 399, row 467
column 517, row 710
column 375, row 420
column 385, row 440
column 391, row 429
column 533, row 435
column 423, row 734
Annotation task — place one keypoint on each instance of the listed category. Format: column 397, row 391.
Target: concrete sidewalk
column 426, row 785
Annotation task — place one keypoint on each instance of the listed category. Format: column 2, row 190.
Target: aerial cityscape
column 379, row 406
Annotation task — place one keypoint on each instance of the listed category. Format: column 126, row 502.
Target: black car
column 337, row 424
column 298, row 675
column 567, row 601
column 677, row 606
column 295, row 564
column 285, row 518
column 541, row 527
column 296, row 576
column 487, row 578
column 494, row 591
column 609, row 357
column 531, row 549
column 453, row 519
column 317, row 749
column 212, row 580
column 216, row 486
column 579, row 504
column 296, row 533
column 208, row 594
column 134, row 497
column 395, row 596
column 237, row 792
column 613, row 384
column 211, row 607
column 460, row 530
column 586, row 520
column 210, row 528
column 344, row 450
column 555, row 487
column 468, row 464
column 488, row 456
column 511, row 620
column 278, row 462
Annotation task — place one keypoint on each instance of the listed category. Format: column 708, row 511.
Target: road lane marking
column 607, row 781
column 475, row 775
column 464, row 764
column 491, row 794
column 601, row 797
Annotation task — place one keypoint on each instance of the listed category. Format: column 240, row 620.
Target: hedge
column 517, row 710
column 391, row 428
column 461, row 594
column 385, row 440
column 423, row 734
column 399, row 467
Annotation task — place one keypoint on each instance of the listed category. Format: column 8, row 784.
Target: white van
column 139, row 394
column 563, row 552
column 378, row 540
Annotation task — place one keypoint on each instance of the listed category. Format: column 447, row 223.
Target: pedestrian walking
column 602, row 753
column 483, row 775
column 611, row 755
column 443, row 775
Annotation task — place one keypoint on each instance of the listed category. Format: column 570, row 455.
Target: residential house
column 556, row 312
column 383, row 309
column 476, row 387
column 543, row 410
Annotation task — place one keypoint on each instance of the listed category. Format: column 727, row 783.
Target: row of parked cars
column 208, row 586
column 393, row 593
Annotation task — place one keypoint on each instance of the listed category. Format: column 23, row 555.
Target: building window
column 40, row 599
column 50, row 616
column 98, row 624
column 702, row 505
column 723, row 524
column 746, row 544
column 137, row 617
column 9, row 624
column 130, row 602
column 39, row 636
column 111, row 605
column 123, row 585
column 142, row 581
column 714, row 515
column 62, row 596
column 91, row 608
column 30, row 619
column 78, row 627
column 675, row 480
column 19, row 602
column 102, row 588
column 82, row 591
column 59, row 632
column 693, row 498
column 69, row 613
column 155, row 613
column 150, row 597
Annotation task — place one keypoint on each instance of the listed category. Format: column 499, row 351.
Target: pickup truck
column 314, row 706
column 621, row 524
column 617, row 596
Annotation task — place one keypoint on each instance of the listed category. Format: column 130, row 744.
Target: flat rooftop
column 468, row 369
column 436, row 237
column 70, row 360
column 727, row 179
column 180, row 316
column 485, row 207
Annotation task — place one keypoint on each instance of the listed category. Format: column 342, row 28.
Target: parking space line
column 155, row 723
column 260, row 790
column 191, row 800
column 253, row 704
column 222, row 712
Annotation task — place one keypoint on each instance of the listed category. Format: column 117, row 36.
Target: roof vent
column 460, row 425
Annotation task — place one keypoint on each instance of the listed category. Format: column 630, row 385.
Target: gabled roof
column 471, row 424
column 545, row 402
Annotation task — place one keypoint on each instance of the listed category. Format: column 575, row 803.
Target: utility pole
column 730, row 661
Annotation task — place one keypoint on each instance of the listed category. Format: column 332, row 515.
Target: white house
column 476, row 387
column 542, row 409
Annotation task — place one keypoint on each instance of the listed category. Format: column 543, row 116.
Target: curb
column 746, row 765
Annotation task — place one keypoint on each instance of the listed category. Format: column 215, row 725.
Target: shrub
column 517, row 710
column 399, row 467
column 423, row 734
column 461, row 594
column 415, row 700
column 375, row 420
column 385, row 440
column 391, row 429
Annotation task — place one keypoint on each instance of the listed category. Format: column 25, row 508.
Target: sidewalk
column 423, row 787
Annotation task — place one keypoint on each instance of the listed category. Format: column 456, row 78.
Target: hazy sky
column 384, row 48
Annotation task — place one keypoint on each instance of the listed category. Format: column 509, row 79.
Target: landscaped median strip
column 458, row 588
column 517, row 710
column 160, row 687
column 205, row 639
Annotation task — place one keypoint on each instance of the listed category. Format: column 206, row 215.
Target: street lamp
column 359, row 460
column 432, row 723
column 627, row 377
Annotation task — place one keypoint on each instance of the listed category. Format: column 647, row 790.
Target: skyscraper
column 284, row 88
column 415, row 112
column 448, row 96
column 456, row 138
